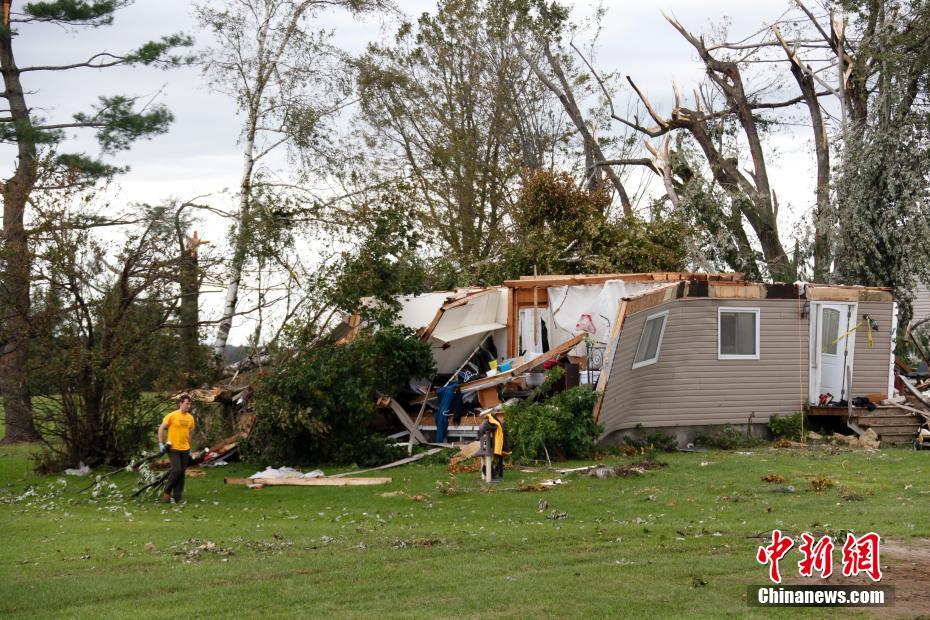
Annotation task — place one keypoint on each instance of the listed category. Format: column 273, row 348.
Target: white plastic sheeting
column 286, row 472
column 567, row 304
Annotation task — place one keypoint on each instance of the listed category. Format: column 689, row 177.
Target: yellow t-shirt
column 179, row 425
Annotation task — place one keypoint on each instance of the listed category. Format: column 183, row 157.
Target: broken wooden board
column 488, row 397
column 404, row 418
column 323, row 481
column 409, row 459
column 466, row 452
column 609, row 355
column 504, row 377
column 913, row 390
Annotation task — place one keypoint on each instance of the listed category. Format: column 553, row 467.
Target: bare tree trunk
column 189, row 312
column 824, row 216
column 593, row 153
column 240, row 242
column 14, row 287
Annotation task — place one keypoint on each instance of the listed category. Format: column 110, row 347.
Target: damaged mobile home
column 673, row 351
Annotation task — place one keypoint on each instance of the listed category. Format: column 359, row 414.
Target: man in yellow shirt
column 180, row 427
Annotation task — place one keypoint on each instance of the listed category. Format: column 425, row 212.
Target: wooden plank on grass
column 409, row 459
column 323, row 481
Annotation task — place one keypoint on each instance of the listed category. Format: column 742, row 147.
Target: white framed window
column 738, row 333
column 650, row 341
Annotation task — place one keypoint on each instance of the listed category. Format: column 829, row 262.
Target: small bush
column 563, row 424
column 727, row 437
column 788, row 427
column 656, row 441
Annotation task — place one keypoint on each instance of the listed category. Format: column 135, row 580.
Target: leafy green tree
column 451, row 108
column 107, row 335
column 116, row 120
column 558, row 227
column 883, row 195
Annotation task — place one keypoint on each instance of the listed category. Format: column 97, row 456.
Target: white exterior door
column 832, row 347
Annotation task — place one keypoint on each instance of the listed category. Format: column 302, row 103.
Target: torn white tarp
column 286, row 472
column 567, row 304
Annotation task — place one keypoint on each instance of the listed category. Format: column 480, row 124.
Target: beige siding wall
column 921, row 303
column 871, row 364
column 690, row 386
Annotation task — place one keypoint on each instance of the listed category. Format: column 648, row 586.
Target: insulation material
column 568, row 304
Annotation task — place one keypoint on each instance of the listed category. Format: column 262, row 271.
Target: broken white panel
column 461, row 329
column 419, row 310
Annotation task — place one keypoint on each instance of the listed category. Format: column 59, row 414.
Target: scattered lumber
column 308, row 482
column 913, row 390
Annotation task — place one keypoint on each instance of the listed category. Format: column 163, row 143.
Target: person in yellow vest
column 180, row 427
column 493, row 430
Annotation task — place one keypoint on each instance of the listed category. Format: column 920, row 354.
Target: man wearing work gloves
column 180, row 426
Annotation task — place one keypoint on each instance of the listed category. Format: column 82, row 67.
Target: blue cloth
column 449, row 399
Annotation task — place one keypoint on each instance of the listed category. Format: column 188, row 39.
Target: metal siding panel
column 871, row 364
column 690, row 386
column 921, row 303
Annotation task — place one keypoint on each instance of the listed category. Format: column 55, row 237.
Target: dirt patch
column 905, row 566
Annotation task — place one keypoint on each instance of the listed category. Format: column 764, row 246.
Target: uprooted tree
column 117, row 121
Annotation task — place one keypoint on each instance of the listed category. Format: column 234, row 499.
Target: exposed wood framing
column 504, row 377
column 831, row 293
column 406, row 421
column 609, row 357
column 737, row 291
column 575, row 280
column 655, row 297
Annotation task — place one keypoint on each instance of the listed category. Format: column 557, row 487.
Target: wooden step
column 898, row 421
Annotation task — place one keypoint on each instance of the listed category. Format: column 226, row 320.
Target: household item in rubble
column 534, row 379
column 505, row 366
column 450, row 404
column 922, row 441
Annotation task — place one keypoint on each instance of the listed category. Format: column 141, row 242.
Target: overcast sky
column 200, row 154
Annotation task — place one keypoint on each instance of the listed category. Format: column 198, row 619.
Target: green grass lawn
column 671, row 542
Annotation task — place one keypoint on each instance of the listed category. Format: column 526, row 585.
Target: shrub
column 563, row 424
column 788, row 427
column 726, row 438
column 657, row 441
column 316, row 406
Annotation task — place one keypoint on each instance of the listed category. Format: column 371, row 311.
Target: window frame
column 655, row 359
column 738, row 356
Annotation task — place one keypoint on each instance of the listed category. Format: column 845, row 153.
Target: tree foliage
column 884, row 200
column 451, row 108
